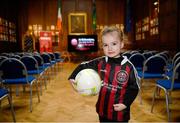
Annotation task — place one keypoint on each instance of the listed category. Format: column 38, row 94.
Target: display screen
column 82, row 43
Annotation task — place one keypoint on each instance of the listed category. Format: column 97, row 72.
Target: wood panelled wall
column 9, row 11
column 169, row 24
column 109, row 12
column 44, row 12
column 168, row 38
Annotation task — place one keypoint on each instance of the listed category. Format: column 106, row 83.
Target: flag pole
column 59, row 24
column 94, row 17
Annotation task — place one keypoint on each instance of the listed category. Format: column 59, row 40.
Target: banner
column 45, row 41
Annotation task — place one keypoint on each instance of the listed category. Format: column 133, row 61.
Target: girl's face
column 112, row 44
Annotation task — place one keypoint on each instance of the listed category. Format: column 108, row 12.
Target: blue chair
column 5, row 94
column 53, row 61
column 168, row 85
column 154, row 67
column 33, row 68
column 14, row 72
column 47, row 64
column 31, row 65
column 47, row 60
column 170, row 65
column 41, row 68
column 169, row 72
column 58, row 59
column 137, row 60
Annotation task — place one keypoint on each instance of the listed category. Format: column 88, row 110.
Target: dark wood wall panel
column 168, row 24
column 68, row 6
column 115, row 11
column 102, row 10
column 167, row 39
column 35, row 12
column 9, row 11
column 50, row 12
column 44, row 12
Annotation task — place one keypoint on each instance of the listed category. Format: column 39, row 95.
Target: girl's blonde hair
column 109, row 29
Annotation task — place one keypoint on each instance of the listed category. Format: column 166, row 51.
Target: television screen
column 82, row 43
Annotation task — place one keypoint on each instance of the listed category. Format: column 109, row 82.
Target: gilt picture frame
column 77, row 23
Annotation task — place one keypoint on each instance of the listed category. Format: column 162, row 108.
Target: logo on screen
column 74, row 42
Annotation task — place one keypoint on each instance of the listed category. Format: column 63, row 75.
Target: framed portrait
column 77, row 23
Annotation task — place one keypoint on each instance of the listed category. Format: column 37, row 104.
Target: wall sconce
column 30, row 27
column 52, row 27
column 35, row 27
column 155, row 3
column 47, row 28
column 39, row 27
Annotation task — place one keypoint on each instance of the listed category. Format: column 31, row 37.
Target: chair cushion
column 138, row 68
column 59, row 60
column 167, row 84
column 35, row 71
column 24, row 80
column 149, row 75
column 3, row 92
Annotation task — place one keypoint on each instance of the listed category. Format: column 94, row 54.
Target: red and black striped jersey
column 119, row 85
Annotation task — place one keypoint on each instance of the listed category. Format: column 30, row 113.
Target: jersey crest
column 121, row 76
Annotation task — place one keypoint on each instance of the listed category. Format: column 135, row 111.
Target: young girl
column 119, row 79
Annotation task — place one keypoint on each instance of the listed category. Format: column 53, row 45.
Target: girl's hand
column 119, row 107
column 73, row 83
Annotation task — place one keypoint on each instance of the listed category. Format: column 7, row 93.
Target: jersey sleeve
column 132, row 89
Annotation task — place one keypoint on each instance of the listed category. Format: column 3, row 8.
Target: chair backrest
column 12, row 68
column 137, row 59
column 176, row 62
column 155, row 64
column 175, row 57
column 147, row 54
column 154, row 52
column 39, row 60
column 5, row 54
column 176, row 76
column 46, row 57
column 2, row 58
column 163, row 54
column 30, row 62
column 15, row 56
column 134, row 52
column 57, row 55
column 52, row 56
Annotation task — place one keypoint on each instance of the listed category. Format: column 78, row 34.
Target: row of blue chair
column 26, row 70
column 159, row 66
column 168, row 85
